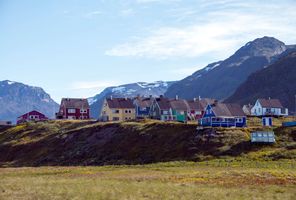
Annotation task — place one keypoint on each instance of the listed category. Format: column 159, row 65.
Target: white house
column 269, row 107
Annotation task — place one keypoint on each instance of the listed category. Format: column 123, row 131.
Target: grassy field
column 174, row 180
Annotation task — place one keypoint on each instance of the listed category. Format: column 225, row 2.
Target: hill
column 128, row 90
column 18, row 98
column 219, row 80
column 275, row 81
column 66, row 143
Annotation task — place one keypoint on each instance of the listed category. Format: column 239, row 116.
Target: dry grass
column 178, row 180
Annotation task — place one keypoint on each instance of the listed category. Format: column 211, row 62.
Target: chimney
column 194, row 99
column 177, row 97
column 269, row 98
column 199, row 98
column 111, row 97
column 125, row 98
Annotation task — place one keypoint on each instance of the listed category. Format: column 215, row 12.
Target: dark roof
column 75, row 103
column 120, row 103
column 204, row 102
column 270, row 103
column 179, row 104
column 227, row 110
column 163, row 103
column 144, row 102
column 195, row 105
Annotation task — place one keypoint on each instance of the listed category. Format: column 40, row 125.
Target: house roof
column 144, row 102
column 195, row 105
column 163, row 103
column 270, row 103
column 204, row 102
column 227, row 110
column 120, row 103
column 75, row 103
column 179, row 104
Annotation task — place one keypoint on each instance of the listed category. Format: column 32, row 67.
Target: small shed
column 263, row 137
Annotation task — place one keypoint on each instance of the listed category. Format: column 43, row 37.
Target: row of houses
column 70, row 108
column 209, row 112
column 161, row 108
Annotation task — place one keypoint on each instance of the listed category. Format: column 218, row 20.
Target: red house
column 31, row 116
column 73, row 109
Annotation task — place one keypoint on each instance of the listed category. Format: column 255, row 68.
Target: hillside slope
column 90, row 143
column 18, row 98
column 219, row 80
column 275, row 81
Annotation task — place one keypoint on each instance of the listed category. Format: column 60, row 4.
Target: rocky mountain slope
column 276, row 81
column 128, row 90
column 220, row 79
column 17, row 99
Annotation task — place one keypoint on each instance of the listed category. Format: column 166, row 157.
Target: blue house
column 224, row 115
column 143, row 106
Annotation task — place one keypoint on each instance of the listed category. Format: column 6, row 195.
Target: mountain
column 17, row 99
column 275, row 81
column 128, row 90
column 219, row 80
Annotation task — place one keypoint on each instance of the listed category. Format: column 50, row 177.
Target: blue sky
column 76, row 48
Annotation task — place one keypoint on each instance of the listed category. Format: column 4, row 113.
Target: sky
column 76, row 48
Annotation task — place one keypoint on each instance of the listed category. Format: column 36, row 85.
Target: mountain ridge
column 18, row 98
column 221, row 81
column 275, row 81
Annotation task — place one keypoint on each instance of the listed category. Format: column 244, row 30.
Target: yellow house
column 118, row 109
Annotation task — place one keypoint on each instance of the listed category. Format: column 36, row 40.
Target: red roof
column 33, row 112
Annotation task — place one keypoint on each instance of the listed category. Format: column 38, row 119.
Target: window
column 71, row 110
column 126, row 111
column 115, row 118
column 83, row 110
column 130, row 111
column 165, row 112
column 115, row 111
column 143, row 109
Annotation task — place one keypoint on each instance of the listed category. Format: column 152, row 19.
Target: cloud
column 219, row 31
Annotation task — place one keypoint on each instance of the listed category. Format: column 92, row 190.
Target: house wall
column 77, row 115
column 155, row 112
column 122, row 115
column 140, row 112
column 257, row 109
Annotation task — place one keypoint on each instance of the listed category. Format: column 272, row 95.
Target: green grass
column 173, row 180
